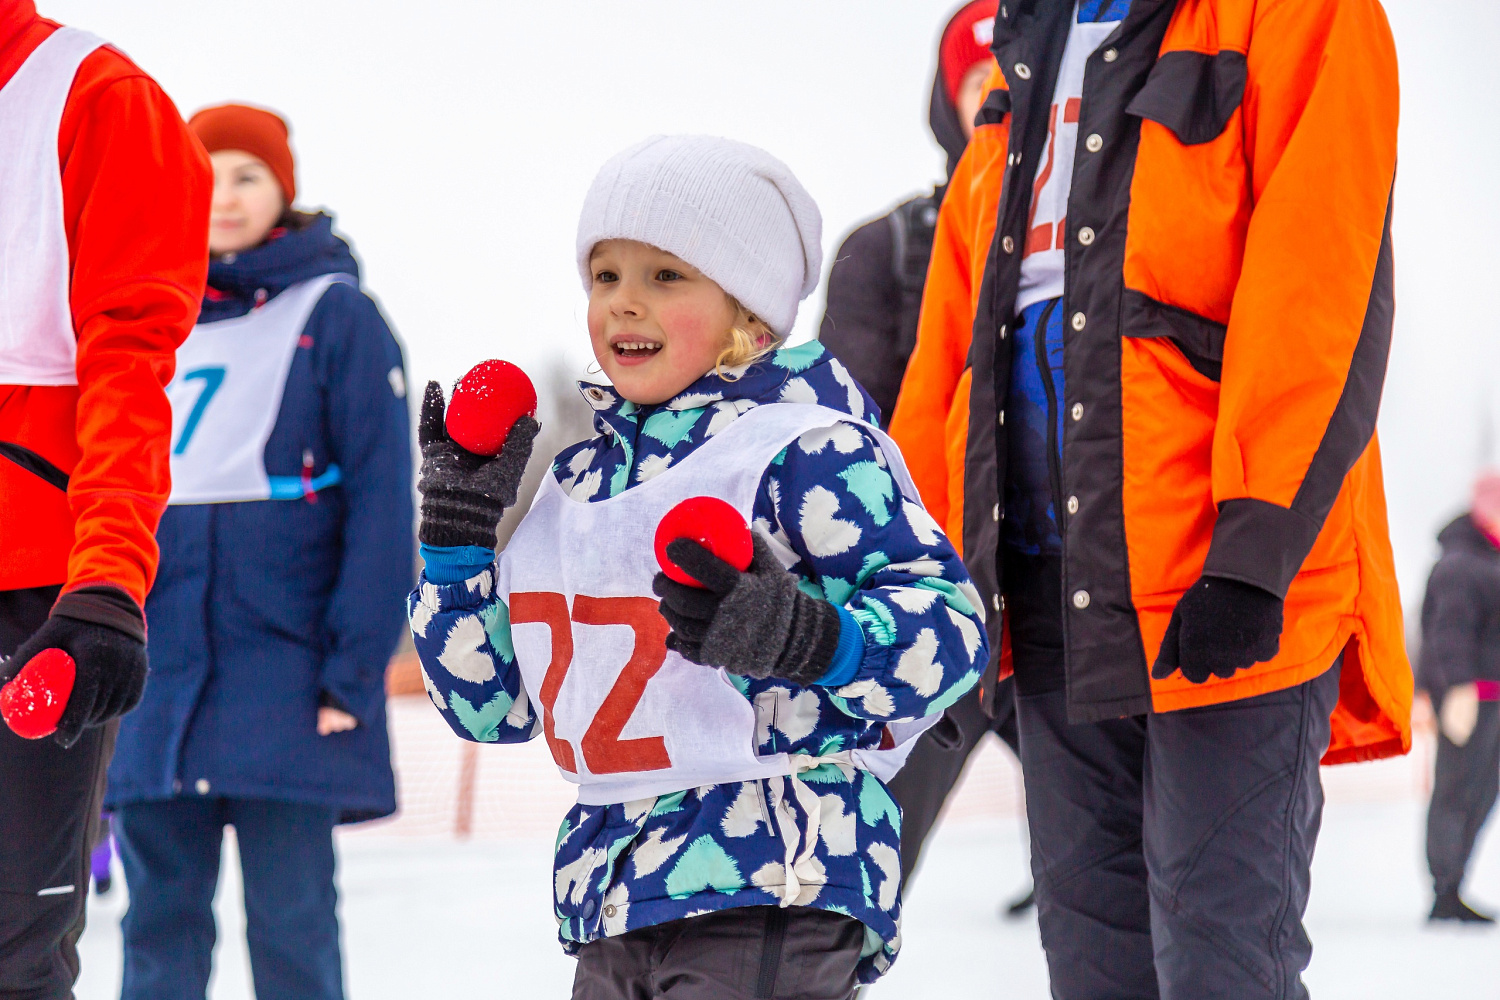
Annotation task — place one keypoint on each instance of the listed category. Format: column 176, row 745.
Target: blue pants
column 170, row 851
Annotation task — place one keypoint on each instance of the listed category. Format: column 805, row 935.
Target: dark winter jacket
column 1461, row 612
column 264, row 610
column 875, row 285
column 1223, row 343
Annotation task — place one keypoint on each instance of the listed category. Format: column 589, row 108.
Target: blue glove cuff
column 448, row 564
column 850, row 654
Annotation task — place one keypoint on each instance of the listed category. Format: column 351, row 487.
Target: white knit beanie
column 731, row 210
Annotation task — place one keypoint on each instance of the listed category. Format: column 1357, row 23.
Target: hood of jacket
column 942, row 113
column 1463, row 535
column 237, row 282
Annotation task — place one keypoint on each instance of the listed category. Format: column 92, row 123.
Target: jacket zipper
column 771, row 944
column 1054, row 468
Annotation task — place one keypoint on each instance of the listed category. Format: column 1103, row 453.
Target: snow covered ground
column 419, row 906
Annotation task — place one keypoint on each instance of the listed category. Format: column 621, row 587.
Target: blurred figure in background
column 103, row 226
column 875, row 286
column 870, row 324
column 285, row 556
column 1459, row 667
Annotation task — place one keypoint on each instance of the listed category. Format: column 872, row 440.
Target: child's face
column 247, row 202
column 656, row 324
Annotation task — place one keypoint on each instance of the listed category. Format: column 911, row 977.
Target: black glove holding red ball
column 104, row 632
column 751, row 618
column 464, row 492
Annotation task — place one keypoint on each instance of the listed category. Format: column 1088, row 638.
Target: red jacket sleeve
column 136, row 192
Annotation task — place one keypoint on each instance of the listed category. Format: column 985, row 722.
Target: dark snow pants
column 170, row 851
column 1463, row 793
column 1171, row 852
column 746, row 953
column 49, row 813
column 937, row 761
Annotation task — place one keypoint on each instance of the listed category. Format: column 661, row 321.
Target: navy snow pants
column 49, row 815
column 1172, row 851
column 170, row 851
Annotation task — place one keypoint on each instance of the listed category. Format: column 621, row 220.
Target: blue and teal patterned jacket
column 921, row 646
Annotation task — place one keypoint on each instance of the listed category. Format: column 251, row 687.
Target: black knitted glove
column 110, row 659
column 464, row 494
column 756, row 623
column 1218, row 627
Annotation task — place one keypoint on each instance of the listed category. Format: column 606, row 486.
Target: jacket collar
column 15, row 17
column 804, row 373
column 289, row 257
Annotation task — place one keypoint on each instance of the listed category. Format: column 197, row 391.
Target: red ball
column 486, row 402
column 710, row 522
column 35, row 698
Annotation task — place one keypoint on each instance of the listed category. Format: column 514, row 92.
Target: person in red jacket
column 103, row 248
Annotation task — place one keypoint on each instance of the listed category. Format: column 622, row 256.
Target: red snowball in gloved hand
column 34, row 700
column 485, row 403
column 713, row 524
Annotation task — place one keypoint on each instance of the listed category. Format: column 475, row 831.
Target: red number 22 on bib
column 603, row 750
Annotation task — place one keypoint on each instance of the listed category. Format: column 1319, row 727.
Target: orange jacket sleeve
column 931, row 419
column 1310, row 325
column 136, row 192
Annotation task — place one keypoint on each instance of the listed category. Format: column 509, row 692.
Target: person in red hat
column 103, row 224
column 870, row 324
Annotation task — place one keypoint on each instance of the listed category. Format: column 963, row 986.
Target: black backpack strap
column 34, row 464
column 913, row 226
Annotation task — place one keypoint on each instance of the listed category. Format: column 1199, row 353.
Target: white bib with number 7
column 625, row 717
column 227, row 393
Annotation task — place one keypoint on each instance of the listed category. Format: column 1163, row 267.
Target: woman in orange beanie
column 285, row 553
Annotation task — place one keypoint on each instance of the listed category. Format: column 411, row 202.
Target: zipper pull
column 308, row 493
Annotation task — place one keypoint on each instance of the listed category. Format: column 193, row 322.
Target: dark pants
column 49, row 810
column 936, row 763
column 1172, row 852
column 747, row 953
column 170, row 851
column 1463, row 793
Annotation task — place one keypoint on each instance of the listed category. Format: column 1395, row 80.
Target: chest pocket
column 1194, row 94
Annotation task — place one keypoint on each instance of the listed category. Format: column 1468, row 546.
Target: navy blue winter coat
column 264, row 610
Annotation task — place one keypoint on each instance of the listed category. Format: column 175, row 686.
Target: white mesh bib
column 625, row 717
column 226, row 396
column 37, row 342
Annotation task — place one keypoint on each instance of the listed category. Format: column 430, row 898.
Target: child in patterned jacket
column 733, row 837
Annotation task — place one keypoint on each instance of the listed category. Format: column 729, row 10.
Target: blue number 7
column 211, row 378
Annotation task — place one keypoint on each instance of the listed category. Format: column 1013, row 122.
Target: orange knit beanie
column 262, row 134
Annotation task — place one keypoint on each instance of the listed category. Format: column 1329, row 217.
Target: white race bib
column 227, row 393
column 37, row 342
column 1043, row 263
column 625, row 717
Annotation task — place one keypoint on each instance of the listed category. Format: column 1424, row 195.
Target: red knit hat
column 1485, row 508
column 966, row 41
column 262, row 134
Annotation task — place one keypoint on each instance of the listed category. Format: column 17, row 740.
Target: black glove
column 110, row 658
column 1218, row 627
column 756, row 623
column 464, row 495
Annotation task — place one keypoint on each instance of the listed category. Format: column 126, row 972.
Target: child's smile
column 657, row 324
column 631, row 349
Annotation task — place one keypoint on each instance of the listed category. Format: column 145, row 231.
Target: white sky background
column 455, row 140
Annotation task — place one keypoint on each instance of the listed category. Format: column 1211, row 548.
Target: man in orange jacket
column 1144, row 393
column 104, row 252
